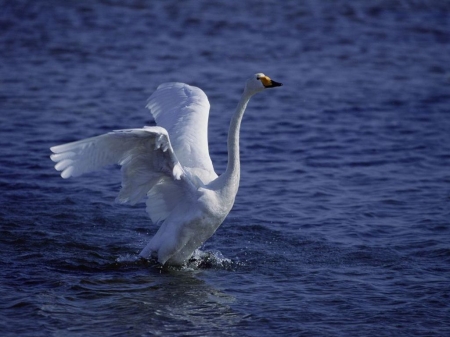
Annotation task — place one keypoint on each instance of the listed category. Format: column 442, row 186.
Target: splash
column 207, row 260
column 199, row 260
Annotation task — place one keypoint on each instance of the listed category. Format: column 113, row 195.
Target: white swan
column 169, row 164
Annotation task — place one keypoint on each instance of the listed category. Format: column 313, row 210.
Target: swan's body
column 169, row 164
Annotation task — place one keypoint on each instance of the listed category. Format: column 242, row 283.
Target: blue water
column 341, row 226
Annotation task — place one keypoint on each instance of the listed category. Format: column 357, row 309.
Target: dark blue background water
column 341, row 226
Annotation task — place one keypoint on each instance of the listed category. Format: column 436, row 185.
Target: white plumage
column 169, row 164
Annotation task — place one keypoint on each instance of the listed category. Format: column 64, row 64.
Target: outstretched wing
column 183, row 111
column 149, row 166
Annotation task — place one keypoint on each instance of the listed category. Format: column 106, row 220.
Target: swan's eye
column 257, row 77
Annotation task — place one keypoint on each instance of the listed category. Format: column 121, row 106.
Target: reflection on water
column 149, row 301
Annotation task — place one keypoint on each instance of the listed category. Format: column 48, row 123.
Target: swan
column 170, row 164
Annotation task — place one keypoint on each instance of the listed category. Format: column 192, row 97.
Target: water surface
column 341, row 223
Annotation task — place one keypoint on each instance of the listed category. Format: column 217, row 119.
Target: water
column 341, row 224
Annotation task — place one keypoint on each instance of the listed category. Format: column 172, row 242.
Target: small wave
column 127, row 258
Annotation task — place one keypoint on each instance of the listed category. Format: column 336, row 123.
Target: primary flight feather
column 170, row 165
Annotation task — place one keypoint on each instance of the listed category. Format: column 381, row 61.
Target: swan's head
column 259, row 82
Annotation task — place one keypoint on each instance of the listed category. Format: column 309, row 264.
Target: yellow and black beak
column 269, row 83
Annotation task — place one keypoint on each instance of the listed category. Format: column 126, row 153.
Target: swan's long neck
column 232, row 173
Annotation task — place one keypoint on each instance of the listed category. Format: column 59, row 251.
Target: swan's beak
column 269, row 83
column 274, row 84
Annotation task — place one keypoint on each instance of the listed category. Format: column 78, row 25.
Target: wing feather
column 183, row 110
column 149, row 166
